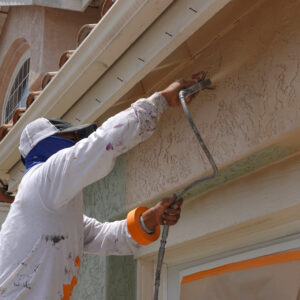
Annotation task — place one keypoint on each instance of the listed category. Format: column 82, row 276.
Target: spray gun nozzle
column 201, row 85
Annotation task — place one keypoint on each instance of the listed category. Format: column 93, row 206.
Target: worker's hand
column 161, row 214
column 172, row 91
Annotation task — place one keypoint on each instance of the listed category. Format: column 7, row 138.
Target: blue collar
column 46, row 148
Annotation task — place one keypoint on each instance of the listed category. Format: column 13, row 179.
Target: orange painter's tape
column 136, row 230
column 252, row 263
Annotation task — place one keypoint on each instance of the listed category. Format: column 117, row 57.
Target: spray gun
column 202, row 84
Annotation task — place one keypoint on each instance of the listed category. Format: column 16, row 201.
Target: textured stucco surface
column 26, row 23
column 22, row 31
column 255, row 67
column 260, row 207
column 48, row 32
column 107, row 277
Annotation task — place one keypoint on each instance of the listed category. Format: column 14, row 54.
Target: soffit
column 172, row 67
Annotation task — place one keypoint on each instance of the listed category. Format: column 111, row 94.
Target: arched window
column 18, row 89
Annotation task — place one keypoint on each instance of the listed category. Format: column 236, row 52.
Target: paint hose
column 202, row 84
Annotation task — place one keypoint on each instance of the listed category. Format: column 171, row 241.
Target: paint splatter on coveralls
column 45, row 234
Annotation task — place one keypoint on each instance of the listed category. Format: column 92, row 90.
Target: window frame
column 177, row 273
column 13, row 77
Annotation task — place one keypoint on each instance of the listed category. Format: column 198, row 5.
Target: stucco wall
column 26, row 23
column 61, row 29
column 23, row 30
column 46, row 32
column 245, row 121
column 255, row 66
column 107, row 277
column 249, row 121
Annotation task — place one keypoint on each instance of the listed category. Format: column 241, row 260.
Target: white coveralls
column 45, row 233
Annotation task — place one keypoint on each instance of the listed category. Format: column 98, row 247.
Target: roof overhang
column 74, row 95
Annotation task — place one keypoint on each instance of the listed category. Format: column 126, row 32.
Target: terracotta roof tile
column 4, row 129
column 4, row 198
column 31, row 97
column 65, row 56
column 18, row 114
column 47, row 78
column 84, row 32
column 106, row 6
column 4, row 195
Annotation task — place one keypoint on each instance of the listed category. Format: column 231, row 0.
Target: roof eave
column 171, row 29
column 106, row 43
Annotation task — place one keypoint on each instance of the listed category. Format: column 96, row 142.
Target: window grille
column 19, row 92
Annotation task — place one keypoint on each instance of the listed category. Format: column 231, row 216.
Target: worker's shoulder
column 31, row 176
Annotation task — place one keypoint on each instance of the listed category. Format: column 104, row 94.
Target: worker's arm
column 109, row 238
column 117, row 238
column 65, row 173
column 68, row 171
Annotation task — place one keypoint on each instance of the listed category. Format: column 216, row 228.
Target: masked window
column 275, row 277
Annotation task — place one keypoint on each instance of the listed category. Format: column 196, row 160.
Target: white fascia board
column 76, row 5
column 116, row 31
column 170, row 30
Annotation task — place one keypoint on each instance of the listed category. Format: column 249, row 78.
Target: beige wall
column 61, row 29
column 46, row 32
column 255, row 63
column 23, row 30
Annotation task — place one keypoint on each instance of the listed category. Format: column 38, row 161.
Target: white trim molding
column 176, row 274
column 76, row 5
column 208, row 231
